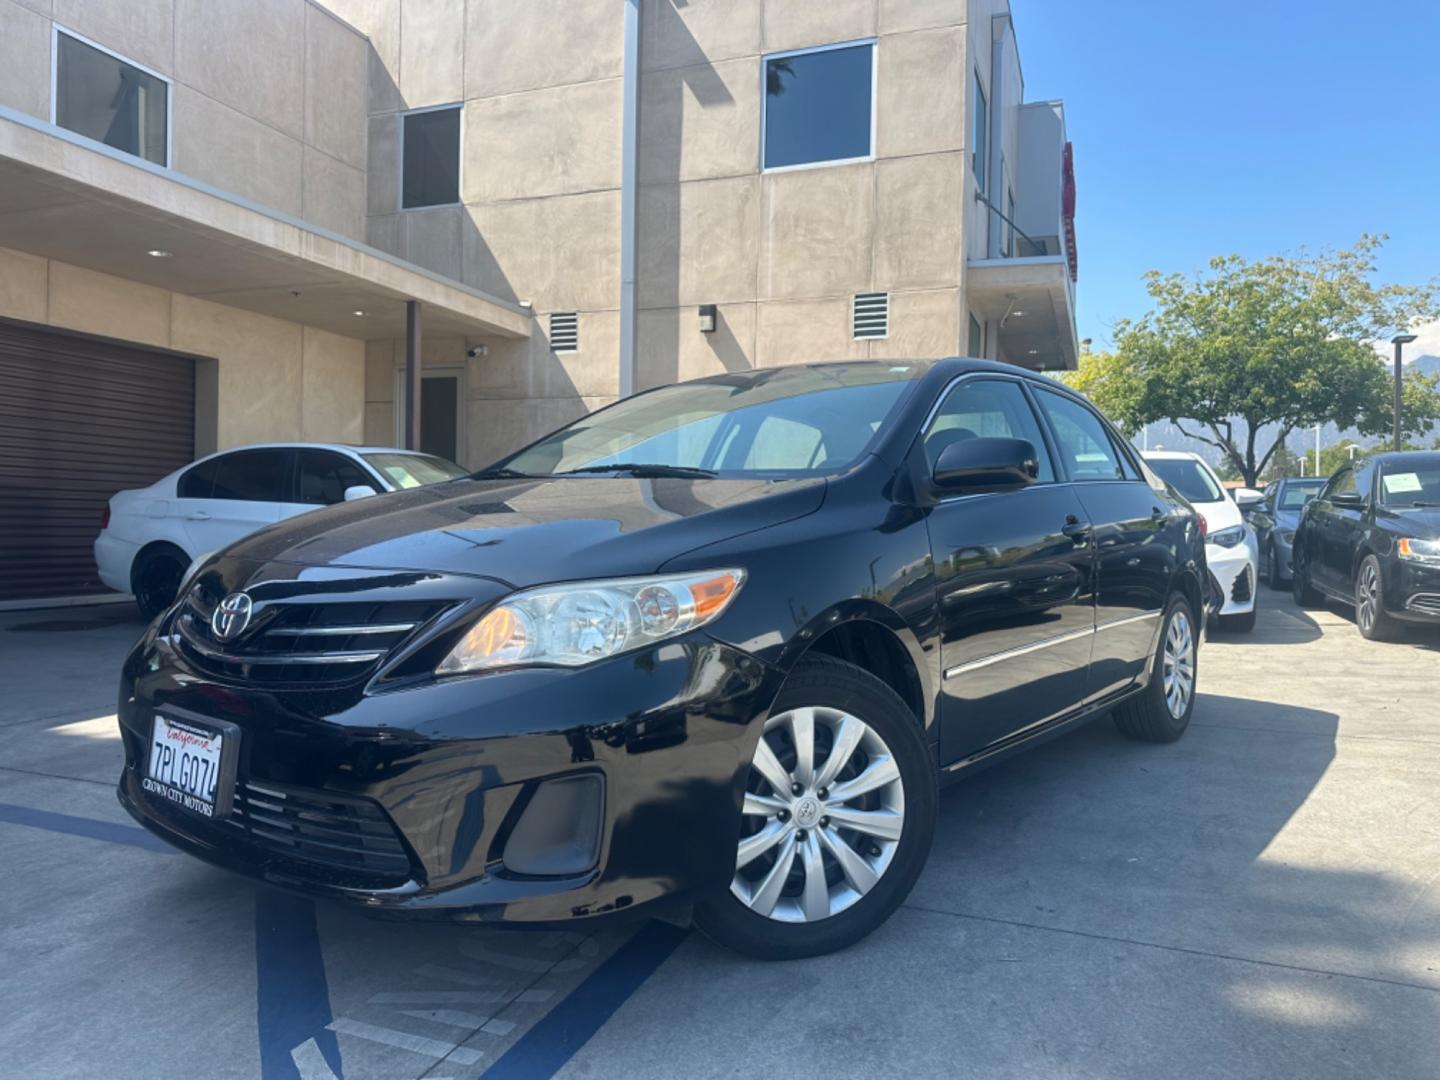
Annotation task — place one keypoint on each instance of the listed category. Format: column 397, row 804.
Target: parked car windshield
column 413, row 470
column 787, row 421
column 1410, row 484
column 1294, row 494
column 1188, row 477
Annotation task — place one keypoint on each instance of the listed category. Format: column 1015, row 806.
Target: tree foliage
column 1287, row 341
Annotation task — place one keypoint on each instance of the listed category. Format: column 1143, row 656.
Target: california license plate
column 184, row 766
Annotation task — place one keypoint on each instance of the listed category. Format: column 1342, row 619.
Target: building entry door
column 442, row 400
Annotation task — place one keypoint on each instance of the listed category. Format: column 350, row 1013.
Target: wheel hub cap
column 824, row 812
column 1179, row 665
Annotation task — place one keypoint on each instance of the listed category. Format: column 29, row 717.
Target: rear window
column 1187, row 476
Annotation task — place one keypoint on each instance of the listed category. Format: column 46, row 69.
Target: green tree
column 1280, row 343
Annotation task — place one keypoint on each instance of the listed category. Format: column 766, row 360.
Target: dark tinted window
column 323, row 476
column 253, row 476
column 987, row 409
column 1342, row 483
column 1084, row 443
column 432, row 158
column 1188, row 477
column 199, row 482
column 817, row 106
column 103, row 98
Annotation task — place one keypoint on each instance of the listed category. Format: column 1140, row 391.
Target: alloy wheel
column 824, row 812
column 1178, row 677
column 1367, row 597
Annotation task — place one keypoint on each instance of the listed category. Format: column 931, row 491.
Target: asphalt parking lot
column 1260, row 899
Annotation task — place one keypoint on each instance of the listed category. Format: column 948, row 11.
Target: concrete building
column 216, row 216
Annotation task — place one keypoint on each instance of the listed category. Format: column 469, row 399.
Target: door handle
column 1075, row 529
column 197, row 515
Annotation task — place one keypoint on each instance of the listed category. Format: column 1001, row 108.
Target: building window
column 819, row 106
column 103, row 97
column 430, row 157
column 977, row 338
column 980, row 135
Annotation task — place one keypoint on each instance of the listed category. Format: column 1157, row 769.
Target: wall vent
column 564, row 331
column 870, row 315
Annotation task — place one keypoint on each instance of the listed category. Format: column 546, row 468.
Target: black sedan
column 714, row 645
column 1372, row 539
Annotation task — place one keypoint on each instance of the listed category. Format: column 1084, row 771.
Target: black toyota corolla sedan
column 715, row 645
column 1371, row 538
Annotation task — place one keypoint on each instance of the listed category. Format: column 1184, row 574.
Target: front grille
column 298, row 643
column 337, row 839
column 1425, row 603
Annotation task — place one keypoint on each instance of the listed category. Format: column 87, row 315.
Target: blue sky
column 1202, row 129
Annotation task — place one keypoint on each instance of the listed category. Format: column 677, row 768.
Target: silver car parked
column 1275, row 521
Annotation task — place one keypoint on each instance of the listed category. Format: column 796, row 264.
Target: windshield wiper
column 1425, row 505
column 642, row 469
column 500, row 474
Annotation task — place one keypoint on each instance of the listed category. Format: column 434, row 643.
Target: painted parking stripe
column 92, row 828
column 292, row 996
column 417, row 1044
column 310, row 1063
column 550, row 1043
column 459, row 997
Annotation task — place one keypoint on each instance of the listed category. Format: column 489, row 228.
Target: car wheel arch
column 155, row 547
column 855, row 629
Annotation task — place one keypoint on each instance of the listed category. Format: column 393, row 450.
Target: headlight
column 580, row 623
column 1421, row 551
column 1227, row 538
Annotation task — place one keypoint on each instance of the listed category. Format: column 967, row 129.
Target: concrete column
column 412, row 375
column 629, row 179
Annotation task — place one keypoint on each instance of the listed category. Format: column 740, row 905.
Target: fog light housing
column 558, row 834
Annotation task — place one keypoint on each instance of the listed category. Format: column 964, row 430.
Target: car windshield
column 1188, row 477
column 1410, row 484
column 413, row 470
column 784, row 422
column 1296, row 493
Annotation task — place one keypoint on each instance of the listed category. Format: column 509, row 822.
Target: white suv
column 149, row 536
column 1231, row 548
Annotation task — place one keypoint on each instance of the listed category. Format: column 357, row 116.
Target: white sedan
column 1231, row 548
column 149, row 536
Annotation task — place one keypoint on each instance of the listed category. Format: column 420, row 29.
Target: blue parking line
column 292, row 996
column 543, row 1050
column 82, row 826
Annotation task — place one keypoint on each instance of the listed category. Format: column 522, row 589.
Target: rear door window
column 253, row 476
column 199, row 482
column 1084, row 442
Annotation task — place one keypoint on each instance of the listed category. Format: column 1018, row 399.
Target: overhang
column 1033, row 300
column 70, row 199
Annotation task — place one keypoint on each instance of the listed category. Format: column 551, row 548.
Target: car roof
column 1407, row 457
column 341, row 447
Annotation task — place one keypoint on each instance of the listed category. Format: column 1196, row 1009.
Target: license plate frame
column 224, row 781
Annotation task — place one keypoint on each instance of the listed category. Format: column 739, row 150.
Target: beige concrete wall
column 270, row 379
column 268, row 99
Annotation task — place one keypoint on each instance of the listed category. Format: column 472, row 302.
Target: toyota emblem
column 230, row 617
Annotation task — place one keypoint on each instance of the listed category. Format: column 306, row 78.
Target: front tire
column 1277, row 582
column 1374, row 621
column 156, row 579
column 1302, row 592
column 1161, row 712
column 838, row 817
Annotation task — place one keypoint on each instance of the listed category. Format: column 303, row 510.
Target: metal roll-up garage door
column 80, row 419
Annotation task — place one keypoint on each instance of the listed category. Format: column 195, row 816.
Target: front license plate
column 184, row 765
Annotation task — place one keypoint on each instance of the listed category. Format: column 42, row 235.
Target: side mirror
column 358, row 491
column 986, row 464
column 1248, row 498
column 1348, row 500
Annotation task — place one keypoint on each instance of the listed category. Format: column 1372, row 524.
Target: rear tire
column 1375, row 623
column 1301, row 591
column 156, row 578
column 807, row 882
column 1161, row 712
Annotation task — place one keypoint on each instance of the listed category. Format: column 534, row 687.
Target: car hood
column 1220, row 515
column 527, row 532
column 1423, row 523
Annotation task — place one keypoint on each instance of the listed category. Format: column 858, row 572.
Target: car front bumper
column 1413, row 592
column 414, row 801
column 1233, row 570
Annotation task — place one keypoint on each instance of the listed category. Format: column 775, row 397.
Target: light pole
column 1399, row 341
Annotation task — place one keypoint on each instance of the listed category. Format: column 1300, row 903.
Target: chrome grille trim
column 1425, row 603
column 339, row 631
column 183, row 624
